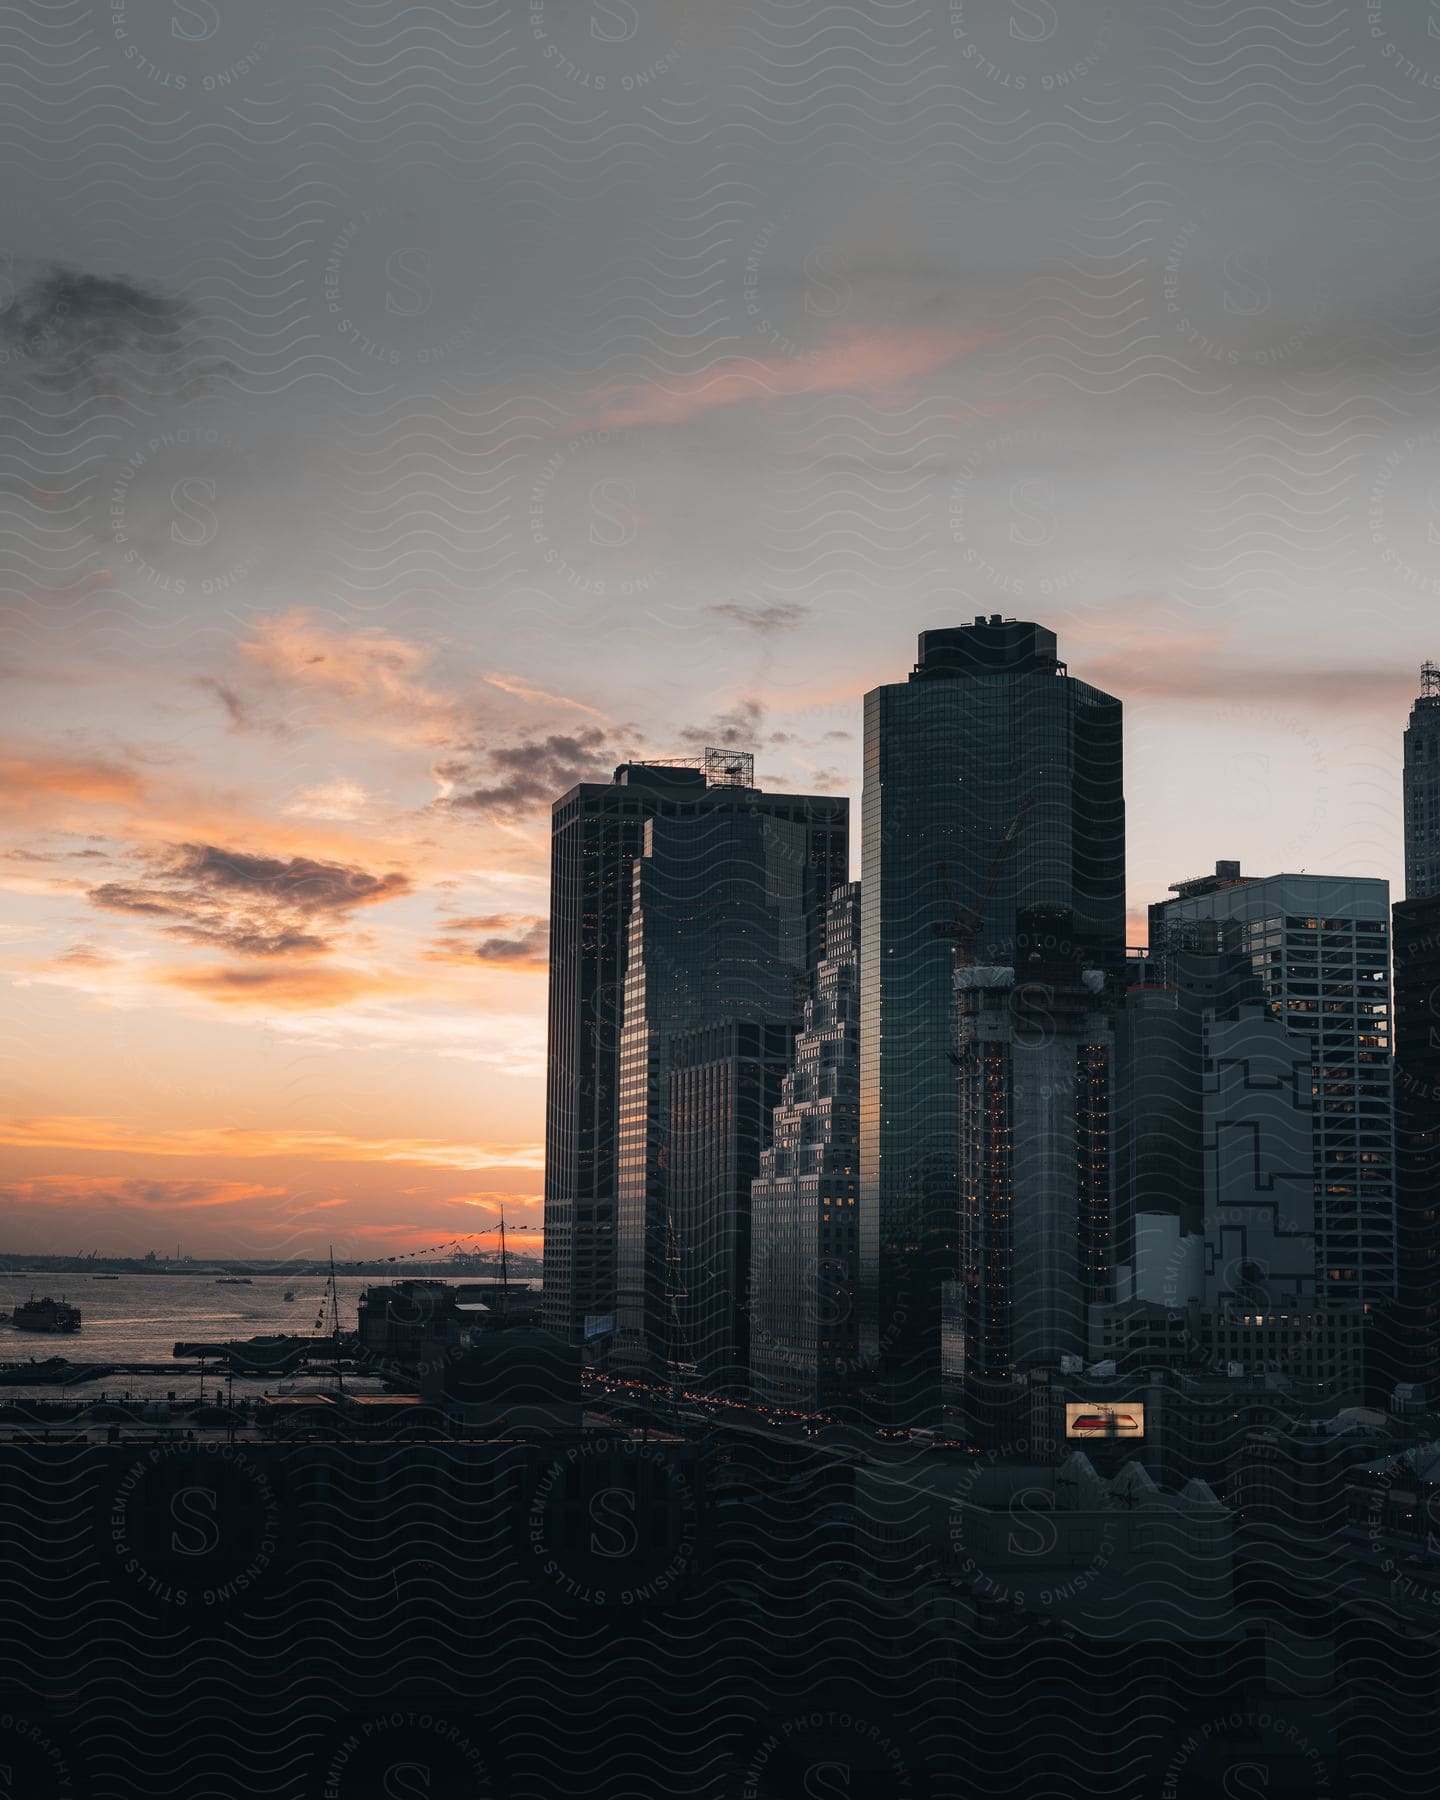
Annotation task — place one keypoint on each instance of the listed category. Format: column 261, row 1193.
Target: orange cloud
column 292, row 987
column 1146, row 648
column 134, row 1192
column 855, row 359
column 377, row 677
column 40, row 779
column 84, row 1131
column 512, row 684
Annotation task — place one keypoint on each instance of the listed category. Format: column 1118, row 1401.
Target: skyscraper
column 804, row 1320
column 1320, row 947
column 725, row 1081
column 597, row 832
column 1034, row 1058
column 1214, row 1129
column 1416, row 1341
column 1422, row 789
column 726, row 923
column 993, row 782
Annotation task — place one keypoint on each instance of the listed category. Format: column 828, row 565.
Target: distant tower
column 1422, row 789
column 1417, row 1050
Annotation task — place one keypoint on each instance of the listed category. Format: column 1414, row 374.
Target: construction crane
column 962, row 927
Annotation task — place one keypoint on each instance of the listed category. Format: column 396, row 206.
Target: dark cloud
column 238, row 709
column 62, row 326
column 517, row 778
column 297, row 881
column 508, row 940
column 736, row 729
column 778, row 615
column 259, row 906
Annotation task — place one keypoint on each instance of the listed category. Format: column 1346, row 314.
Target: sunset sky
column 410, row 415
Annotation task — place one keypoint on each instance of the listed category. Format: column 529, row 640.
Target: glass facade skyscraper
column 725, row 1081
column 597, row 832
column 1034, row 1059
column 990, row 738
column 726, row 924
column 1422, row 790
column 804, row 1205
column 1416, row 922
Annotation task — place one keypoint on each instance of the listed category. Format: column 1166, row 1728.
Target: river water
column 140, row 1318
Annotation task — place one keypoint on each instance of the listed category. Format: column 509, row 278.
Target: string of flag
column 455, row 1243
column 449, row 1244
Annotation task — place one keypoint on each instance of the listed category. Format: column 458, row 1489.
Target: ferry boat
column 46, row 1315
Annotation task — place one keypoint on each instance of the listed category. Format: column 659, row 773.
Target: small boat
column 53, row 1371
column 234, row 1281
column 46, row 1315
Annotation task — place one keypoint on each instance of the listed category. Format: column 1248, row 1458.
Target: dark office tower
column 725, row 1081
column 1422, row 790
column 1214, row 1136
column 1416, row 1342
column 804, row 1323
column 1035, row 1051
column 598, row 831
column 725, row 927
column 1319, row 945
column 993, row 782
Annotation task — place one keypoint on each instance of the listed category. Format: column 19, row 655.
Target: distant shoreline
column 522, row 1268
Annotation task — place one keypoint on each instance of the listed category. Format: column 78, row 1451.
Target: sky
column 408, row 412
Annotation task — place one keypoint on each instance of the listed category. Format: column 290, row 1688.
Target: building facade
column 804, row 1319
column 726, row 925
column 1035, row 1047
column 993, row 782
column 597, row 832
column 1422, row 789
column 1320, row 949
column 1415, row 1347
column 725, row 1082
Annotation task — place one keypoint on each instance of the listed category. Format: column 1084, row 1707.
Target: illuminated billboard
column 1085, row 1419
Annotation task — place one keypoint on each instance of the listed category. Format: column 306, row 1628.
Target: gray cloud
column 516, row 778
column 508, row 940
column 250, row 905
column 62, row 325
column 778, row 615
